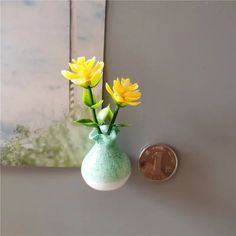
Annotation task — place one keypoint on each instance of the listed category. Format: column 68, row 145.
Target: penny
column 158, row 162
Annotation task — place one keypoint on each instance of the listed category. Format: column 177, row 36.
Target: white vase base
column 107, row 186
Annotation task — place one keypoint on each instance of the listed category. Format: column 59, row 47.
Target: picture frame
column 37, row 104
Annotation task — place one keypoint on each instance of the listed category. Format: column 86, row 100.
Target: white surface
column 105, row 186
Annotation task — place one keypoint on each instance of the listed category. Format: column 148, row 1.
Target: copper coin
column 158, row 162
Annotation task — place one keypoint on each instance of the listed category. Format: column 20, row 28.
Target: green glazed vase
column 105, row 167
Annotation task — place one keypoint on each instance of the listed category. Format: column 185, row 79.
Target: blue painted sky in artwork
column 90, row 31
column 29, row 2
column 22, row 2
column 7, row 129
column 99, row 12
column 33, row 53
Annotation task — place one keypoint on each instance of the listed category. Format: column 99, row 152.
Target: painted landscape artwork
column 36, row 125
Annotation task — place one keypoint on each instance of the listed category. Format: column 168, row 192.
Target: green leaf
column 87, row 98
column 98, row 104
column 105, row 114
column 121, row 125
column 110, row 115
column 86, row 122
column 83, row 120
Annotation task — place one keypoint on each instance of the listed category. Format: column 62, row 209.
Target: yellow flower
column 124, row 92
column 83, row 72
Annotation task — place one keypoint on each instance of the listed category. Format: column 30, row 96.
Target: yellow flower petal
column 118, row 98
column 80, row 60
column 133, row 94
column 125, row 82
column 124, row 92
column 98, row 67
column 133, row 87
column 96, row 79
column 117, row 87
column 81, row 82
column 133, row 103
column 90, row 62
column 83, row 72
column 108, row 88
column 73, row 67
column 69, row 75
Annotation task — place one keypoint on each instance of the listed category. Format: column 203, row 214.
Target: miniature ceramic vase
column 105, row 167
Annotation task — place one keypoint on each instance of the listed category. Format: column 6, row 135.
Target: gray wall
column 183, row 56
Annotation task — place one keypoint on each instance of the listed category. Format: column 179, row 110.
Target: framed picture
column 37, row 103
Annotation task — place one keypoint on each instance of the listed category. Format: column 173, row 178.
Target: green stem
column 113, row 119
column 93, row 110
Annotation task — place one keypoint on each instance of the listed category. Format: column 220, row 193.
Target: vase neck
column 104, row 138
